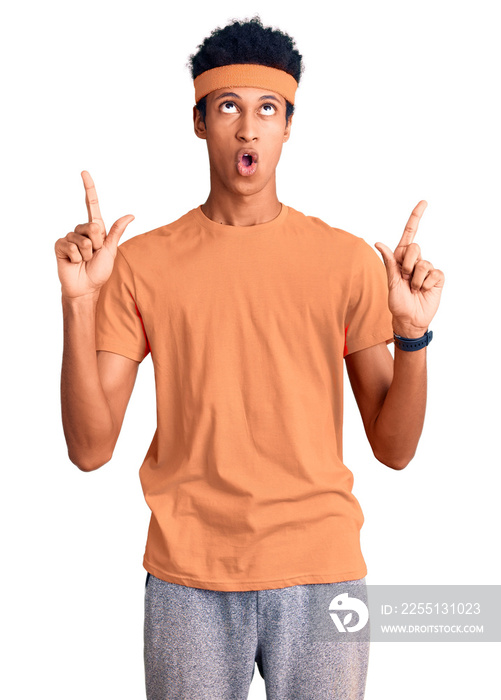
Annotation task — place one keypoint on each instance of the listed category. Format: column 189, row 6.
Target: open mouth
column 247, row 162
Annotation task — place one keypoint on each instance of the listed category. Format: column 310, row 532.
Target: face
column 245, row 130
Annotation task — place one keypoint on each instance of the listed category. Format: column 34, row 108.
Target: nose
column 247, row 128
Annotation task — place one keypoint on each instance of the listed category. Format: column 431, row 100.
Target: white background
column 399, row 102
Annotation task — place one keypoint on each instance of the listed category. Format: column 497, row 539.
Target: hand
column 415, row 286
column 85, row 256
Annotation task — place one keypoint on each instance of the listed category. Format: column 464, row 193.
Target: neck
column 236, row 209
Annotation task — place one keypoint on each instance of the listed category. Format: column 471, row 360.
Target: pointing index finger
column 411, row 226
column 91, row 199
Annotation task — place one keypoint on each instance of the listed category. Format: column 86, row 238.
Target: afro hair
column 247, row 41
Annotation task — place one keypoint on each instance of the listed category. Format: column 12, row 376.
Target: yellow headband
column 245, row 75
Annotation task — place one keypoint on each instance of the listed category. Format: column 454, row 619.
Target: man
column 248, row 309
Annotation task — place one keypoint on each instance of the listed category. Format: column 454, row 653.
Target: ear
column 287, row 131
column 199, row 125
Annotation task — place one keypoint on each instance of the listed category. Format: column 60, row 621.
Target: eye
column 268, row 108
column 228, row 107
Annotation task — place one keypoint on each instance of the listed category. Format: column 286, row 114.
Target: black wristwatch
column 412, row 344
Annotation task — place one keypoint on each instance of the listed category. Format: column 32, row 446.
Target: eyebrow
column 234, row 94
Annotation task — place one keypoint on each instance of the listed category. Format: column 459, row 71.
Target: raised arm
column 95, row 387
column 391, row 394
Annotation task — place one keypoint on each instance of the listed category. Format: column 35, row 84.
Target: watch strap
column 412, row 344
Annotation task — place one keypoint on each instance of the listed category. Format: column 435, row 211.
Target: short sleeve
column 368, row 318
column 119, row 326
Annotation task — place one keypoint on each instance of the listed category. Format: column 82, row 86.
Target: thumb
column 390, row 263
column 117, row 230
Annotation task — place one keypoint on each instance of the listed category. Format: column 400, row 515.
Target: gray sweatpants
column 203, row 645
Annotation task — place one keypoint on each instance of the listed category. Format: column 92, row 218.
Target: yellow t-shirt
column 247, row 329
